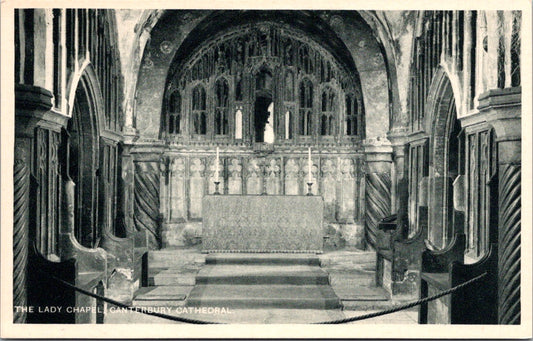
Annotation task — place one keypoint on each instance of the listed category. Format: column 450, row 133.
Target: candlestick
column 216, row 166
column 310, row 165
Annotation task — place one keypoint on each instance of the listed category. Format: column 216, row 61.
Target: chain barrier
column 407, row 305
column 340, row 321
column 132, row 308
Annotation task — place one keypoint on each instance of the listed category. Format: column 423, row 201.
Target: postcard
column 266, row 169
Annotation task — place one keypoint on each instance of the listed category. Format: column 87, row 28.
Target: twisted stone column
column 503, row 110
column 509, row 244
column 21, row 182
column 378, row 187
column 31, row 107
column 146, row 193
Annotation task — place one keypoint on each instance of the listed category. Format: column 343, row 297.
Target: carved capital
column 398, row 136
column 502, row 109
column 33, row 108
column 378, row 152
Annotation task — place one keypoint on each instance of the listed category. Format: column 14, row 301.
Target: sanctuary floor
column 174, row 273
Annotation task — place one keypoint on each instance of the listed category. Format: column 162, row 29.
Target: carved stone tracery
column 228, row 73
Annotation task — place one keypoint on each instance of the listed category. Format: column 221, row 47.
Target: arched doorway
column 83, row 164
column 447, row 155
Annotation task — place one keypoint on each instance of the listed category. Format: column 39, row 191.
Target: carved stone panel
column 478, row 169
column 272, row 177
column 196, row 187
column 235, row 176
column 177, row 193
column 190, row 177
column 253, row 179
column 47, row 174
column 329, row 188
column 348, row 190
column 292, row 170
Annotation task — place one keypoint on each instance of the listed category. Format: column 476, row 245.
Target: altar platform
column 262, row 223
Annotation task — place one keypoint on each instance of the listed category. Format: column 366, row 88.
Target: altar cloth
column 262, row 223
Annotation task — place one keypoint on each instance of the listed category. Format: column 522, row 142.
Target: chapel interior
column 162, row 157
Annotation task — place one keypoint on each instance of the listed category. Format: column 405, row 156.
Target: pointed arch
column 306, row 97
column 221, row 106
column 199, row 110
column 446, row 159
column 84, row 129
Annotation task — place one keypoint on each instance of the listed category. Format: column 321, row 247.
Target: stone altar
column 262, row 223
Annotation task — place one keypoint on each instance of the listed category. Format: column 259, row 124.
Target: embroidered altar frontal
column 262, row 223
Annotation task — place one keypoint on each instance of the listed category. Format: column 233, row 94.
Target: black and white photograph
column 312, row 170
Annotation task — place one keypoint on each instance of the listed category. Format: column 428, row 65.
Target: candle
column 216, row 166
column 310, row 164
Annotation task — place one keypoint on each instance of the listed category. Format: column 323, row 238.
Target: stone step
column 349, row 260
column 262, row 274
column 166, row 277
column 162, row 296
column 168, row 258
column 262, row 259
column 264, row 296
column 353, row 279
column 159, row 303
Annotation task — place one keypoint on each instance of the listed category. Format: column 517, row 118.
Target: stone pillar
column 377, row 185
column 503, row 112
column 21, row 178
column 399, row 188
column 32, row 103
column 127, row 178
column 163, row 189
column 146, row 201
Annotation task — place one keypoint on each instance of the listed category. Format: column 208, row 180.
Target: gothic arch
column 397, row 117
column 444, row 158
column 84, row 129
column 261, row 63
column 377, row 102
column 87, row 79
